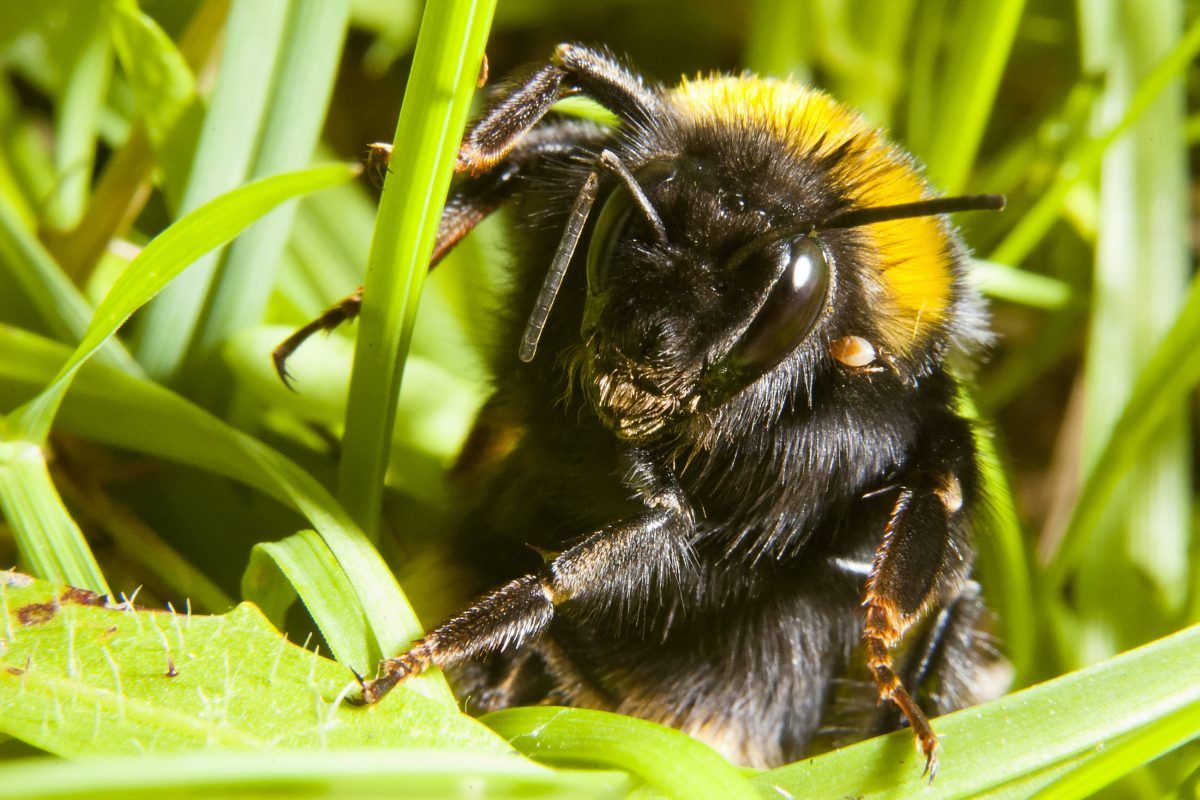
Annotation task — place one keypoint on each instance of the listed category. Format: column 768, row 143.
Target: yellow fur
column 911, row 255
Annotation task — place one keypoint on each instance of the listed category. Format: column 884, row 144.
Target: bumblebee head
column 757, row 230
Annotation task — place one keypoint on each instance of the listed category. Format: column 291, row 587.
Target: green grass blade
column 158, row 74
column 138, row 415
column 671, row 762
column 410, row 773
column 1142, row 268
column 445, row 67
column 1169, row 374
column 303, row 565
column 1004, row 564
column 60, row 305
column 168, row 255
column 988, row 747
column 299, row 99
column 81, row 677
column 1002, row 282
column 1127, row 753
column 1082, row 164
column 778, row 42
column 78, row 118
column 222, row 160
column 981, row 41
column 46, row 535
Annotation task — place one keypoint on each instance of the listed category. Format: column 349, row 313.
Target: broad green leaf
column 670, row 762
column 79, row 677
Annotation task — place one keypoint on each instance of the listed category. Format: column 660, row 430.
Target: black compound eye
column 791, row 308
column 610, row 227
column 620, row 218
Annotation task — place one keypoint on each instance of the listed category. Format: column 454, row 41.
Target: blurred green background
column 117, row 118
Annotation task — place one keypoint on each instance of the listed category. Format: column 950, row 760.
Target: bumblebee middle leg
column 610, row 575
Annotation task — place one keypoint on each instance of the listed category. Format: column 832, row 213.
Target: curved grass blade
column 311, row 571
column 169, row 254
column 669, row 761
column 988, row 748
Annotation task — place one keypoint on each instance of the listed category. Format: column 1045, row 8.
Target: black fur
column 712, row 570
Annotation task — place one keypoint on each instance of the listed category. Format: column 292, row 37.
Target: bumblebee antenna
column 921, row 208
column 613, row 163
column 558, row 267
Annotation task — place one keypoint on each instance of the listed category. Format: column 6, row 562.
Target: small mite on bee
column 725, row 416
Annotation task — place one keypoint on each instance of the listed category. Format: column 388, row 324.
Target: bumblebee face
column 732, row 260
column 724, row 262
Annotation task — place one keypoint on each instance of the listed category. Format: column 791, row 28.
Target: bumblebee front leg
column 923, row 555
column 572, row 70
column 611, row 574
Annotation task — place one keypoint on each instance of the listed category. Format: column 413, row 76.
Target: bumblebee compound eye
column 610, row 225
column 627, row 212
column 791, row 308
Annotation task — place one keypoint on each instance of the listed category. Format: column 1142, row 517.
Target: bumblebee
column 738, row 450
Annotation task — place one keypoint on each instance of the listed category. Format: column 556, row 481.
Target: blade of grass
column 61, row 306
column 230, row 134
column 981, row 41
column 168, row 255
column 157, row 71
column 78, row 116
column 778, row 42
column 1170, row 373
column 1141, row 269
column 312, row 573
column 363, row 773
column 989, row 747
column 1004, row 564
column 46, row 535
column 1082, row 164
column 1127, row 753
column 1003, row 282
column 125, row 184
column 308, row 63
column 671, row 762
column 445, row 67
